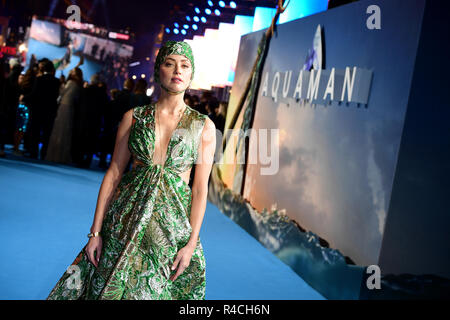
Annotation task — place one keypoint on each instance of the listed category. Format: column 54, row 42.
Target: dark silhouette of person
column 11, row 98
column 139, row 96
column 213, row 109
column 111, row 120
column 3, row 118
column 188, row 99
column 43, row 106
column 88, row 122
column 124, row 98
column 206, row 96
column 94, row 50
column 102, row 53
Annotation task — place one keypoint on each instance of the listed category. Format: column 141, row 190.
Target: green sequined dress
column 146, row 224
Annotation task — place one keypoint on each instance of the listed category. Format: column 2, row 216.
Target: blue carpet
column 47, row 210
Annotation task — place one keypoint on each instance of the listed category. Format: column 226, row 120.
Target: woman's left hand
column 182, row 260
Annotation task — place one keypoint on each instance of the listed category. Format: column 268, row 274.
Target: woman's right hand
column 94, row 246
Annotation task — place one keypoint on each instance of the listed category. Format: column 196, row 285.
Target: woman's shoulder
column 200, row 122
column 197, row 114
column 142, row 111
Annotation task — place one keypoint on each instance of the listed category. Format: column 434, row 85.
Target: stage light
column 194, row 26
column 217, row 12
column 263, row 18
column 23, row 47
column 300, row 9
column 197, row 10
column 143, row 76
column 167, row 30
column 222, row 4
column 176, row 25
column 183, row 31
column 196, row 19
column 203, row 19
column 186, row 26
column 175, row 31
column 207, row 11
column 210, row 3
column 188, row 18
column 233, row 4
column 134, row 77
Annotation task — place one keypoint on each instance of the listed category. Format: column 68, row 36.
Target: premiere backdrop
column 338, row 162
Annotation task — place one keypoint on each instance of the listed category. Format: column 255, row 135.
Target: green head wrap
column 173, row 47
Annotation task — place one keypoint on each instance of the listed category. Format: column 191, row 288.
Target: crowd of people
column 69, row 120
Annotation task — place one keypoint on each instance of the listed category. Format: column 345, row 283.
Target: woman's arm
column 113, row 175
column 201, row 177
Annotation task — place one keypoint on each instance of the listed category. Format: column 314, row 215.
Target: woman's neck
column 169, row 103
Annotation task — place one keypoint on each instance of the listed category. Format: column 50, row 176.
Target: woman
column 60, row 144
column 148, row 245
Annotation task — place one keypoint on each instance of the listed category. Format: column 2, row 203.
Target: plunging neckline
column 171, row 136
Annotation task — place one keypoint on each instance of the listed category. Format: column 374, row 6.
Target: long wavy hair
column 76, row 74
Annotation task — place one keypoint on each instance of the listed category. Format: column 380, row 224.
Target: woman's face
column 175, row 72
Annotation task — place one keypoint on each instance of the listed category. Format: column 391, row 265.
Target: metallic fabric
column 146, row 224
column 173, row 47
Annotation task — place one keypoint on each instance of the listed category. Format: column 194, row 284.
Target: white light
column 233, row 4
column 203, row 19
column 183, row 31
column 208, row 11
column 134, row 77
column 194, row 26
column 222, row 4
column 150, row 91
column 217, row 12
column 23, row 48
column 142, row 76
column 175, row 31
column 196, row 19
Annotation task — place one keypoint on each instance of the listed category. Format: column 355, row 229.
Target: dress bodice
column 182, row 150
